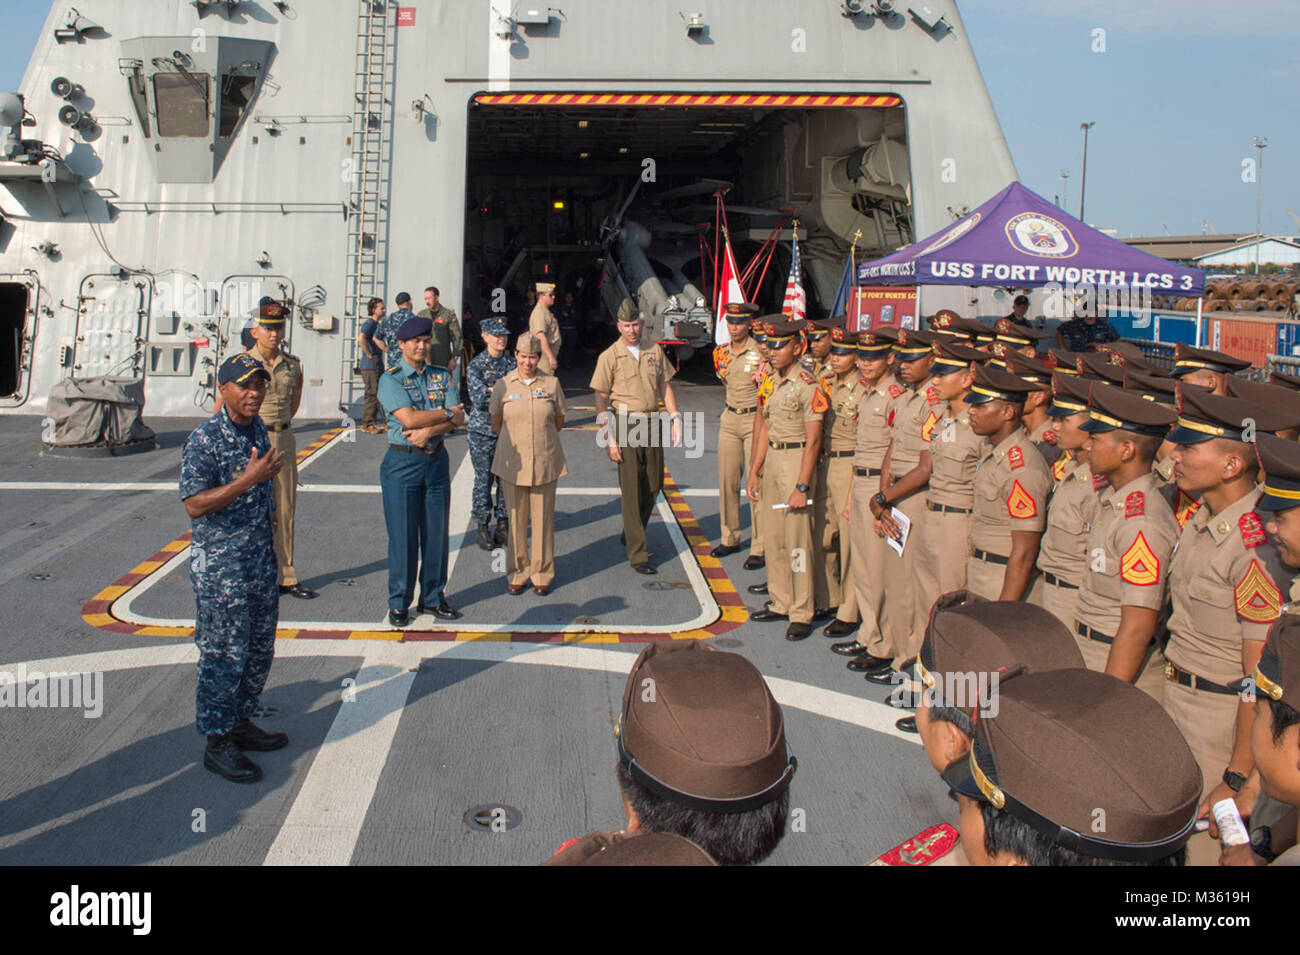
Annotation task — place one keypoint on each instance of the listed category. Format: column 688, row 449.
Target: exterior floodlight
column 883, row 7
column 853, row 8
column 695, row 26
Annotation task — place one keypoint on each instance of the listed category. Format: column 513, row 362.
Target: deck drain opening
column 492, row 817
column 586, row 620
column 667, row 585
column 42, row 577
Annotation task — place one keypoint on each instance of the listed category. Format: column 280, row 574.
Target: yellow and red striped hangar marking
column 98, row 611
column 811, row 100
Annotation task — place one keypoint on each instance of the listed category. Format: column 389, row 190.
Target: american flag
column 796, row 303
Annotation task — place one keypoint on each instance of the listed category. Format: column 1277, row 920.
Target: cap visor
column 959, row 778
column 1270, row 503
column 977, row 399
column 1093, row 426
column 1181, row 435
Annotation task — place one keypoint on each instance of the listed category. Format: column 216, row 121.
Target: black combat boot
column 248, row 735
column 223, row 757
column 502, row 536
column 484, row 537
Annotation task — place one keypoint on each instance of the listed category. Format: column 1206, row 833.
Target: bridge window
column 182, row 101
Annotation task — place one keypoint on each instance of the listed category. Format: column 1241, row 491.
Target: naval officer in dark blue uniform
column 421, row 409
column 227, row 469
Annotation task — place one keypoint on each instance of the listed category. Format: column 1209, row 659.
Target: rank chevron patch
column 1258, row 599
column 1139, row 565
column 927, row 429
column 1020, row 503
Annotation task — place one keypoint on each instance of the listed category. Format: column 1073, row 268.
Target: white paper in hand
column 904, row 526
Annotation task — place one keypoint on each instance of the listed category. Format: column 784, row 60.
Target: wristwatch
column 880, row 499
column 1234, row 780
column 1261, row 842
column 801, row 488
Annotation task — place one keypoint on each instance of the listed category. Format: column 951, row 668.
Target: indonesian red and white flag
column 796, row 303
column 729, row 291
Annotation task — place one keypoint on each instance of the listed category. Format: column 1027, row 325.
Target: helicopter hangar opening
column 603, row 194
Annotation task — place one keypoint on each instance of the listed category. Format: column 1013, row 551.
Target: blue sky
column 1180, row 92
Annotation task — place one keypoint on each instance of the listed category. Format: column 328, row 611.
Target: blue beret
column 239, row 368
column 414, row 327
column 495, row 325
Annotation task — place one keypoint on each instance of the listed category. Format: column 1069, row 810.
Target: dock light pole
column 1083, row 176
column 1260, row 143
column 1065, row 188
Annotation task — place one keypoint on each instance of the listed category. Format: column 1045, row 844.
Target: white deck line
column 302, row 488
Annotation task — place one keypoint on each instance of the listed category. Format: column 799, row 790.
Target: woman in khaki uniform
column 527, row 411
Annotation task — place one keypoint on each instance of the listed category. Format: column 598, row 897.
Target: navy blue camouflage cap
column 494, row 325
column 414, row 327
column 239, row 368
column 402, row 297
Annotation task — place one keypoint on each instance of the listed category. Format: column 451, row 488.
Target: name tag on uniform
column 410, row 386
column 513, row 397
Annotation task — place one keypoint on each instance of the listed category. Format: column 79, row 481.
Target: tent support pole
column 1199, row 302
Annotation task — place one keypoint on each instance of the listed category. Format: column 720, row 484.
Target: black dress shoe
column 754, row 563
column 248, row 735
column 444, row 611
column 622, row 539
column 866, row 663
column 798, row 631
column 757, row 588
column 886, row 677
column 299, row 591
column 849, row 648
column 764, row 615
column 502, row 535
column 398, row 618
column 903, row 699
column 223, row 757
column 839, row 628
column 644, row 568
column 484, row 537
column 824, row 613
column 724, row 550
column 907, row 724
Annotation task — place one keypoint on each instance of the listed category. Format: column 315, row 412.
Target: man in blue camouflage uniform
column 413, row 477
column 227, row 469
column 485, row 370
column 386, row 332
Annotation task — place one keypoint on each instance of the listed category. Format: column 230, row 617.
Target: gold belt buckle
column 1171, row 671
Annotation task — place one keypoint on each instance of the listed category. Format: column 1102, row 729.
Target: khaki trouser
column 940, row 539
column 789, row 544
column 832, row 538
column 285, row 491
column 984, row 578
column 1208, row 722
column 371, row 412
column 640, row 479
column 1056, row 600
column 735, row 440
column 535, row 506
column 1151, row 676
column 900, row 585
column 868, row 554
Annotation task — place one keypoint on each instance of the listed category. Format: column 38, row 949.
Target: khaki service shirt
column 955, row 451
column 543, row 322
column 737, row 371
column 634, row 383
column 1044, row 439
column 1128, row 549
column 916, row 414
column 1223, row 580
column 528, row 449
column 284, row 387
column 1074, row 508
column 797, row 398
column 873, row 422
column 840, row 430
column 1011, row 487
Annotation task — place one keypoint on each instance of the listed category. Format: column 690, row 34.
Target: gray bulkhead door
column 112, row 312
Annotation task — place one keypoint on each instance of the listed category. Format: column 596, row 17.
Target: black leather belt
column 866, row 472
column 945, row 509
column 785, row 445
column 839, row 454
column 750, row 410
column 989, row 558
column 1083, row 630
column 1058, row 582
column 1198, row 683
column 279, row 427
column 412, row 449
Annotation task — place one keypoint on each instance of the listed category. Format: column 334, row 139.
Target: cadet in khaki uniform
column 632, row 377
column 1075, row 504
column 915, row 417
column 546, row 327
column 736, row 365
column 527, row 410
column 792, row 426
column 764, row 382
column 283, row 395
column 1062, row 745
column 1037, row 423
column 1224, row 582
column 817, row 358
column 955, row 451
column 833, row 586
column 1270, row 396
column 1011, row 488
column 1201, row 366
column 1163, row 391
column 867, row 550
column 1127, row 569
